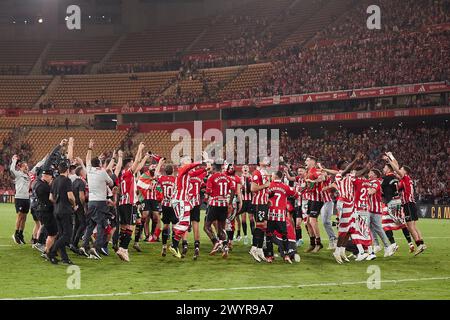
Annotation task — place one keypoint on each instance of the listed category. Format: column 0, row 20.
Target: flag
column 144, row 182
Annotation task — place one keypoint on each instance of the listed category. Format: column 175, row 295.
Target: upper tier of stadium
column 261, row 48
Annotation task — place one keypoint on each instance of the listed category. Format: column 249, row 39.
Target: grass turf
column 26, row 275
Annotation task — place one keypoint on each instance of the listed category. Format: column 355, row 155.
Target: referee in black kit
column 64, row 201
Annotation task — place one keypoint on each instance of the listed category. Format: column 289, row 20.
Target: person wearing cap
column 61, row 195
column 44, row 210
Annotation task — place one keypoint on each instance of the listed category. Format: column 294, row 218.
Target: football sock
column 390, row 236
column 165, row 236
column 407, row 234
column 244, row 228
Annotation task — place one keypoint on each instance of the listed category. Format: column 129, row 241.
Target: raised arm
column 119, row 163
column 89, row 153
column 138, row 158
column 13, row 165
column 39, row 164
column 142, row 162
column 54, row 152
column 288, row 175
column 70, row 149
column 111, row 162
column 158, row 167
column 394, row 163
column 333, row 172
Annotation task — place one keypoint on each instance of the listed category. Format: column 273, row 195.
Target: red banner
column 416, row 112
column 258, row 102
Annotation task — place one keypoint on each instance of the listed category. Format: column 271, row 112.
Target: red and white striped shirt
column 127, row 183
column 196, row 183
column 327, row 195
column 182, row 184
column 150, row 193
column 313, row 190
column 167, row 184
column 375, row 199
column 361, row 194
column 260, row 177
column 300, row 187
column 345, row 186
column 219, row 187
column 246, row 183
column 279, row 193
column 407, row 186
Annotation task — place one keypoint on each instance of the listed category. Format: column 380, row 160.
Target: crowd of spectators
column 425, row 149
column 402, row 15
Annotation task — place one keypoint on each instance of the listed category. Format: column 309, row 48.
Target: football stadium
column 225, row 150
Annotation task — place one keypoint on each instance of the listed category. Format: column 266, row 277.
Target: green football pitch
column 24, row 274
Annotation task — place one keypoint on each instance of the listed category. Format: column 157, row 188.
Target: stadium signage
column 434, row 211
column 257, row 102
column 342, row 116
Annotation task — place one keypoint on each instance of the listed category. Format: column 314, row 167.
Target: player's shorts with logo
column 168, row 215
column 22, row 205
column 410, row 210
column 217, row 213
column 261, row 212
column 314, row 208
column 128, row 214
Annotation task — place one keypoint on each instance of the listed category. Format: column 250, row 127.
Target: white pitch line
column 324, row 284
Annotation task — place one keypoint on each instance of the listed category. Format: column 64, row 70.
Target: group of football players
column 103, row 202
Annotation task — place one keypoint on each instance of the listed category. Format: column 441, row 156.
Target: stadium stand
column 248, row 83
column 18, row 57
column 33, row 121
column 21, row 91
column 109, row 89
column 330, row 12
column 147, row 51
column 92, row 50
column 201, row 85
column 159, row 142
column 105, row 141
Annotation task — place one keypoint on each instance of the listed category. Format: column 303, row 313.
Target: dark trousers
column 79, row 226
column 64, row 223
column 96, row 217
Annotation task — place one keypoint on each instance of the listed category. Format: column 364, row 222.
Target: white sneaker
column 337, row 257
column 299, row 242
column 371, row 256
column 344, row 256
column 387, row 252
column 297, row 257
column 421, row 248
column 245, row 240
column 392, row 249
column 332, row 245
column 260, row 253
column 254, row 253
column 123, row 254
column 376, row 249
column 361, row 257
column 238, row 238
